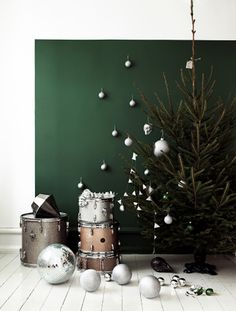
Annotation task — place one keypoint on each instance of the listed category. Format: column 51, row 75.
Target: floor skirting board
column 10, row 240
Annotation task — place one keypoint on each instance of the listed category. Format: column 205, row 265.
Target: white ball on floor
column 56, row 263
column 121, row 274
column 149, row 286
column 90, row 280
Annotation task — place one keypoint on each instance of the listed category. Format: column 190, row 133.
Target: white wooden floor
column 21, row 288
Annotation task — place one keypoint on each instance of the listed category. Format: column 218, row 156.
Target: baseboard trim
column 10, row 240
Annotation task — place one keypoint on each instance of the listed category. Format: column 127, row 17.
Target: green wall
column 73, row 126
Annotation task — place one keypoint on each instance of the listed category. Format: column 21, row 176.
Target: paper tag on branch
column 189, row 64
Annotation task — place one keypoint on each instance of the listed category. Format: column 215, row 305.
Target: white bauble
column 132, row 103
column 128, row 141
column 122, row 208
column 101, row 94
column 160, row 146
column 149, row 286
column 114, row 133
column 80, row 185
column 168, row 219
column 146, row 172
column 103, row 166
column 128, row 63
column 121, row 274
column 90, row 280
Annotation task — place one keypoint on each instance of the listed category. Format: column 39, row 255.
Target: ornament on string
column 189, row 227
column 147, row 128
column 80, row 184
column 134, row 193
column 114, row 133
column 104, row 166
column 181, row 183
column 125, row 194
column 128, row 62
column 135, row 203
column 168, row 219
column 156, row 225
column 134, row 156
column 101, row 94
column 130, row 181
column 165, row 196
column 144, row 187
column 150, row 189
column 122, row 208
column 189, row 63
column 128, row 141
column 161, row 146
column 139, row 208
column 132, row 171
column 140, row 192
column 119, row 201
column 132, row 102
column 146, row 172
column 149, row 198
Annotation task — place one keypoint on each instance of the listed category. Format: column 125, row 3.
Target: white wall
column 23, row 21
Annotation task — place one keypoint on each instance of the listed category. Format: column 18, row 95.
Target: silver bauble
column 174, row 283
column 121, row 274
column 56, row 263
column 161, row 280
column 182, row 282
column 160, row 147
column 90, row 280
column 149, row 286
column 128, row 141
column 132, row 103
column 107, row 277
column 128, row 63
column 168, row 219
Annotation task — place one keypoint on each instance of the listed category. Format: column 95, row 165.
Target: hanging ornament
column 119, row 201
column 101, row 94
column 135, row 203
column 149, row 198
column 134, row 193
column 156, row 225
column 103, row 166
column 140, row 192
column 144, row 187
column 128, row 63
column 132, row 102
column 114, row 133
column 132, row 171
column 126, row 194
column 147, row 128
column 134, row 156
column 161, row 146
column 150, row 189
column 122, row 208
column 165, row 196
column 139, row 208
column 168, row 219
column 181, row 183
column 189, row 227
column 130, row 181
column 80, row 184
column 128, row 141
column 146, row 172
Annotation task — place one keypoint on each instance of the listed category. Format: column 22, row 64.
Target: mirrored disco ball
column 56, row 263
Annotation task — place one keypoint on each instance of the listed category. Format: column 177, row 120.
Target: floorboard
column 21, row 288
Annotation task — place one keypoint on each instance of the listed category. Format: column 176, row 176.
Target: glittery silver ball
column 107, row 277
column 56, row 263
column 90, row 280
column 182, row 282
column 175, row 277
column 161, row 280
column 149, row 286
column 121, row 274
column 174, row 283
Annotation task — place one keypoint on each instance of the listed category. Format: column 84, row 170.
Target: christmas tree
column 187, row 199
